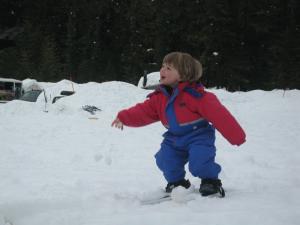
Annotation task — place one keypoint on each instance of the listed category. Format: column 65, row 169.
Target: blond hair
column 189, row 68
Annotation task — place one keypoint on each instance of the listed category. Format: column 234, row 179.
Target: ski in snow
column 152, row 201
column 179, row 195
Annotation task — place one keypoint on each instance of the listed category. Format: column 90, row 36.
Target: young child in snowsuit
column 190, row 114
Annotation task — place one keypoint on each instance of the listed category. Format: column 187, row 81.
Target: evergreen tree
column 50, row 68
column 242, row 45
column 285, row 47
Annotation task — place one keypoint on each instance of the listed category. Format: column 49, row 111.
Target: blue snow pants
column 197, row 148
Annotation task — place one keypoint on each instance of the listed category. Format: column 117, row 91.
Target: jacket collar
column 187, row 85
column 194, row 89
column 191, row 88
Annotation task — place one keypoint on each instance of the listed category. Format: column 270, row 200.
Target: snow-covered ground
column 61, row 165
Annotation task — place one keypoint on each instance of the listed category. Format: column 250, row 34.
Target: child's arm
column 139, row 115
column 221, row 118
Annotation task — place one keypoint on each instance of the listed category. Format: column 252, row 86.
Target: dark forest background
column 242, row 44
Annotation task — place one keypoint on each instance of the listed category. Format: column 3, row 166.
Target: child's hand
column 117, row 123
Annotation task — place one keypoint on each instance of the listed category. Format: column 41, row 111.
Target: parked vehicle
column 31, row 96
column 149, row 81
column 10, row 89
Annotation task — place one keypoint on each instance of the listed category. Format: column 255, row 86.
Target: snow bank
column 65, row 166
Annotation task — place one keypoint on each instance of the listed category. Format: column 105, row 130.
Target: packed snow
column 63, row 165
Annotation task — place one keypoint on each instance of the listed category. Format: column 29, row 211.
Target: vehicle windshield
column 31, row 96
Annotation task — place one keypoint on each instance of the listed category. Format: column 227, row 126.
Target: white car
column 149, row 81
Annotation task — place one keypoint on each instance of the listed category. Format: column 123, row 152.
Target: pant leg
column 171, row 161
column 202, row 161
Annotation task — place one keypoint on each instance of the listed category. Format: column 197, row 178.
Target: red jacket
column 190, row 103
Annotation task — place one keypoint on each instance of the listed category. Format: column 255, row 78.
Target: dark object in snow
column 67, row 93
column 91, row 109
column 62, row 94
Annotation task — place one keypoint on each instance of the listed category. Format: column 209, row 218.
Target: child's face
column 169, row 75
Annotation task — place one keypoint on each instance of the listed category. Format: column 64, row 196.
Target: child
column 190, row 114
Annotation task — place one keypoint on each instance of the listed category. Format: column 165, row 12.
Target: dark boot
column 184, row 183
column 211, row 186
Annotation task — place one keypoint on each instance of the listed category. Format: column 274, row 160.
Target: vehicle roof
column 9, row 80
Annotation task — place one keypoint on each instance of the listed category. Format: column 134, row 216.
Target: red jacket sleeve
column 211, row 109
column 141, row 114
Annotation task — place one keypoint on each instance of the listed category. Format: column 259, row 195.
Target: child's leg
column 171, row 162
column 202, row 161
